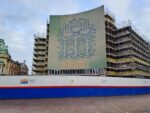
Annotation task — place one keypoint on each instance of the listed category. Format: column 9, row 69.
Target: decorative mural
column 77, row 39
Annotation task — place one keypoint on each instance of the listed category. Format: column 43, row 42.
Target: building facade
column 127, row 51
column 7, row 65
column 14, row 68
column 23, row 69
column 5, row 58
column 39, row 57
column 69, row 44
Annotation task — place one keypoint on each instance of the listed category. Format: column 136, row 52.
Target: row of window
column 79, row 71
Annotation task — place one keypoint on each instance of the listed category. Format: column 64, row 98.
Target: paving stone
column 120, row 104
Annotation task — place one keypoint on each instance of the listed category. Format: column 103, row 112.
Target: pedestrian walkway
column 125, row 104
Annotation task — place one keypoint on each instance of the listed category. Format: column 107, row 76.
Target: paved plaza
column 125, row 104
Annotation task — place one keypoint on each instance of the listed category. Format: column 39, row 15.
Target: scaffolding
column 128, row 54
column 39, row 59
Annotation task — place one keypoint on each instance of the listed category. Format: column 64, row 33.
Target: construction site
column 127, row 52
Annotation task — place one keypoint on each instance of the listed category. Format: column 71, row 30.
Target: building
column 7, row 65
column 90, row 43
column 127, row 51
column 23, row 69
column 39, row 58
column 5, row 58
column 14, row 68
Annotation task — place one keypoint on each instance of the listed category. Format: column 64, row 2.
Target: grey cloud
column 21, row 19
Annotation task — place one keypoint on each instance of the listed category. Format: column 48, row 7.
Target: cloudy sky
column 21, row 19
